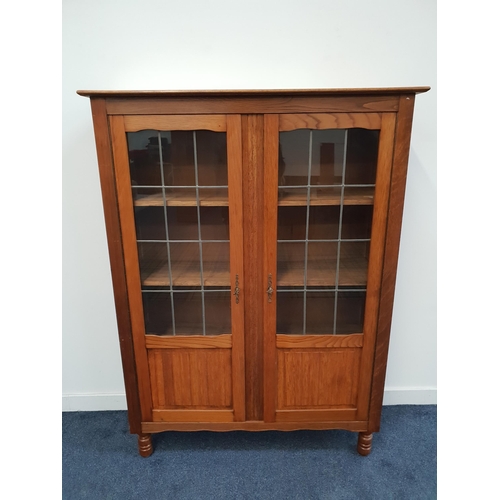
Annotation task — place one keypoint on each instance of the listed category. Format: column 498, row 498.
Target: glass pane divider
column 199, row 230
column 167, row 235
column 342, row 186
column 309, row 167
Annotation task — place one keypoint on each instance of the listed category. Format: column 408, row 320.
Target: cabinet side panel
column 253, row 201
column 131, row 260
column 394, row 220
column 110, row 206
column 377, row 245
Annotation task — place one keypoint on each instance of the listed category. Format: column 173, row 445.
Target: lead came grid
column 168, row 241
column 340, row 235
column 339, row 240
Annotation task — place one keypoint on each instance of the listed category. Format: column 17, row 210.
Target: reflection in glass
column 144, row 158
column 361, row 156
column 178, row 157
column 323, row 149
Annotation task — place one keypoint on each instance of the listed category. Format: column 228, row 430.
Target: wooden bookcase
column 253, row 240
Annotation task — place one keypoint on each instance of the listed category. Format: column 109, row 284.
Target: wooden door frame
column 118, row 126
column 273, row 124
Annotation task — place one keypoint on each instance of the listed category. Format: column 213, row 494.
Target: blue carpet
column 101, row 461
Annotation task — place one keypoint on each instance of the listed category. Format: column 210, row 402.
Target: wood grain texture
column 235, row 186
column 255, row 426
column 394, row 220
column 190, row 378
column 288, row 198
column 316, row 415
column 322, row 121
column 321, row 267
column 184, row 198
column 134, row 123
column 325, row 197
column 253, row 201
column 252, row 105
column 113, row 232
column 377, row 246
column 214, row 416
column 317, row 378
column 128, row 234
column 189, row 341
column 270, row 272
column 318, row 341
column 185, row 265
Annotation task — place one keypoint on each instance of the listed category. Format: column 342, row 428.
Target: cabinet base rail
column 364, row 444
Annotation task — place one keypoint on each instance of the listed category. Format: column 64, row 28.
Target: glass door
column 185, row 254
column 322, row 280
column 180, row 193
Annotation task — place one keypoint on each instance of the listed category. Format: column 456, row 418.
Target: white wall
column 155, row 44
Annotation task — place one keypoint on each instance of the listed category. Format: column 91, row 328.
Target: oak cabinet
column 253, row 240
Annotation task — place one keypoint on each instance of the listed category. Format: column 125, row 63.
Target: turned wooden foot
column 365, row 443
column 145, row 445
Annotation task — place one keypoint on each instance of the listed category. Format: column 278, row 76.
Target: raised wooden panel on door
column 190, row 378
column 314, row 378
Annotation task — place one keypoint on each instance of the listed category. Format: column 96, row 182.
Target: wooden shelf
column 184, row 198
column 322, row 273
column 321, row 268
column 287, row 198
column 325, row 196
column 187, row 274
column 185, row 266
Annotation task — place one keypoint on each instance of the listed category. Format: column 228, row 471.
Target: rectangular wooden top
column 251, row 93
